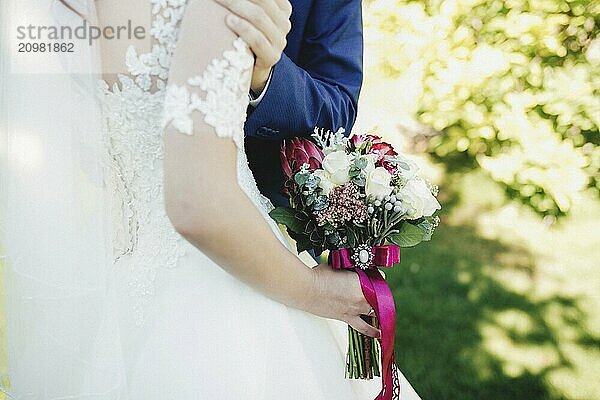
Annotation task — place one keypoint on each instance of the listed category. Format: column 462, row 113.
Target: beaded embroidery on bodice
column 134, row 111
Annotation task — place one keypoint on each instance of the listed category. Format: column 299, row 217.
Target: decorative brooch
column 363, row 256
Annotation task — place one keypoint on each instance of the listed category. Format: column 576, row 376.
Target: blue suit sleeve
column 322, row 88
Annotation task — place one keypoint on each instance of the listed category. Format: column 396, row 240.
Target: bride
column 141, row 261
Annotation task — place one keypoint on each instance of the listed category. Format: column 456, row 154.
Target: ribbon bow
column 379, row 296
column 380, row 256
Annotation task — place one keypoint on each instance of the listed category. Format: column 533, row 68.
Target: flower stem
column 375, row 359
column 349, row 358
column 359, row 352
column 369, row 342
column 367, row 357
column 389, row 227
column 352, row 353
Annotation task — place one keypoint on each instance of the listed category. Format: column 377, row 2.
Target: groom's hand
column 264, row 25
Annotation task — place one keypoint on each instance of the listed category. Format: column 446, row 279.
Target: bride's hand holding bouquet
column 338, row 295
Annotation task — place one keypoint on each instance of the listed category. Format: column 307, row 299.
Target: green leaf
column 333, row 238
column 428, row 225
column 352, row 237
column 409, row 235
column 328, row 227
column 310, row 226
column 287, row 216
column 302, row 242
column 316, row 236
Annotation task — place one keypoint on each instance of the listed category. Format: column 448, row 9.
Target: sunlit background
column 499, row 101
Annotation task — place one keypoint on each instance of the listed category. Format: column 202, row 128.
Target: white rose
column 378, row 183
column 412, row 170
column 325, row 182
column 337, row 165
column 418, row 199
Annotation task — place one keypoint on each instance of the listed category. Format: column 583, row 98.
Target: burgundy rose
column 383, row 149
column 297, row 152
column 374, row 139
column 359, row 140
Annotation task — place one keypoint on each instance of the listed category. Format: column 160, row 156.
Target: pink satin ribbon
column 379, row 296
column 384, row 256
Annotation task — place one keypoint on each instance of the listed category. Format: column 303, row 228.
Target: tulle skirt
column 209, row 336
column 205, row 335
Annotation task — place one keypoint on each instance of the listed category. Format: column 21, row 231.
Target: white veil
column 61, row 330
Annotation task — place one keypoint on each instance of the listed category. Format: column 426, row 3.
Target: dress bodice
column 133, row 115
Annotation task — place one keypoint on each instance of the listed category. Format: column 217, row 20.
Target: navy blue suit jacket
column 315, row 84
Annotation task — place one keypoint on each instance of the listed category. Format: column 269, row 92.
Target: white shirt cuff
column 256, row 102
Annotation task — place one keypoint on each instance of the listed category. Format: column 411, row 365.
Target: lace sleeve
column 219, row 93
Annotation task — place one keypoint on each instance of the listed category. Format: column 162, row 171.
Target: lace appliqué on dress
column 144, row 240
column 225, row 95
column 153, row 67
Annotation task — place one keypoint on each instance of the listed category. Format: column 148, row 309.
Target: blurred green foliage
column 498, row 305
column 508, row 86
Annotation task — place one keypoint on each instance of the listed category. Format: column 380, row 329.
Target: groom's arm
column 322, row 89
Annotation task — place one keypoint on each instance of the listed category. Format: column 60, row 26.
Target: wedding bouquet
column 361, row 200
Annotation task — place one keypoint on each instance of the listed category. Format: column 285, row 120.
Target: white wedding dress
column 173, row 324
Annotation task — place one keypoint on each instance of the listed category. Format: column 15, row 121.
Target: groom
column 306, row 75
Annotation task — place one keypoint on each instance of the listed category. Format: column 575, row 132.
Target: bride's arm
column 203, row 198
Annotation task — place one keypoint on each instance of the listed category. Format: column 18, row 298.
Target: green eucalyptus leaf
column 360, row 162
column 301, row 178
column 312, row 181
column 320, row 203
column 403, row 165
column 359, row 180
column 354, row 171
